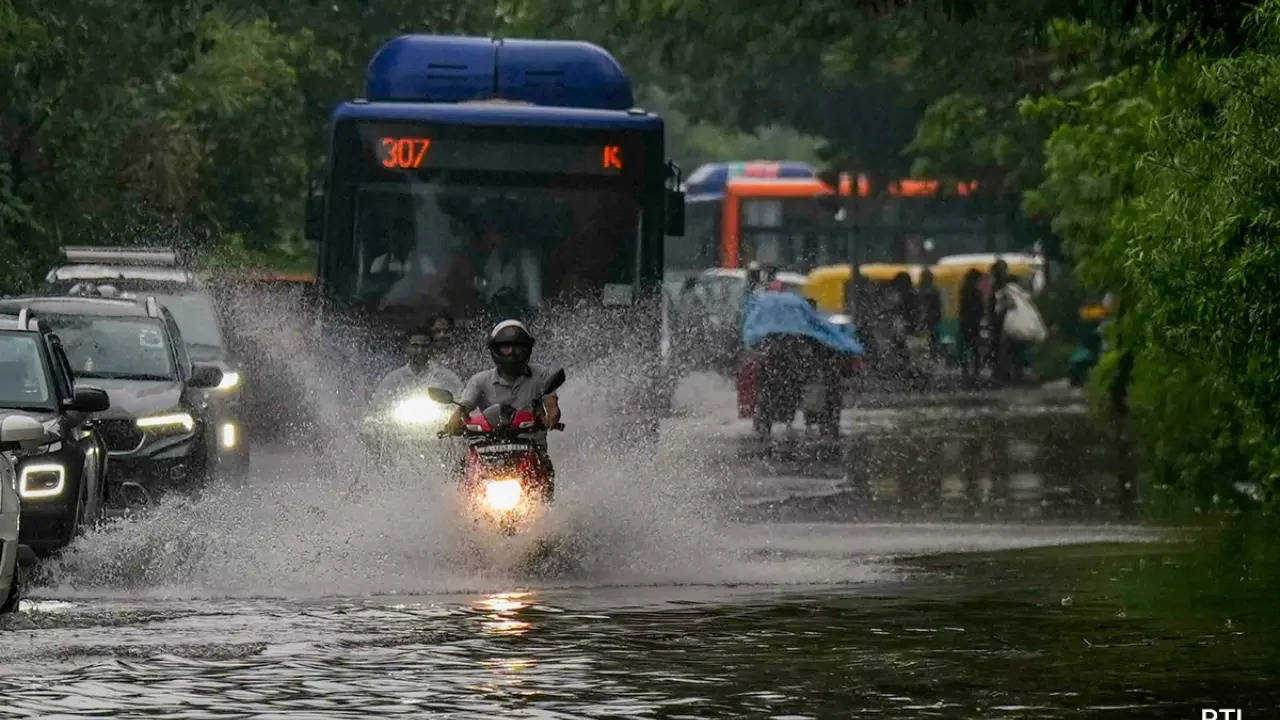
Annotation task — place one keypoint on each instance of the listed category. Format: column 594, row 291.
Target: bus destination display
column 417, row 152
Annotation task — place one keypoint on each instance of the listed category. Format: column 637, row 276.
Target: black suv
column 61, row 477
column 159, row 431
column 155, row 272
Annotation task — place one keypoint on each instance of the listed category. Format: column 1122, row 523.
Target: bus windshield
column 486, row 225
column 505, row 249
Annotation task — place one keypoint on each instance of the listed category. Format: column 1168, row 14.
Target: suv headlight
column 168, row 423
column 230, row 379
column 42, row 481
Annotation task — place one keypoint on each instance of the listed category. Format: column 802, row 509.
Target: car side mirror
column 20, row 431
column 675, row 213
column 90, row 400
column 440, row 395
column 206, row 376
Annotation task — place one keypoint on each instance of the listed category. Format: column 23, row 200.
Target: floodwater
column 952, row 559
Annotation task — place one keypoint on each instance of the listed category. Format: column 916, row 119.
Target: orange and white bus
column 798, row 223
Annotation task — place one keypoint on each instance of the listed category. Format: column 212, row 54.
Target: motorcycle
column 505, row 478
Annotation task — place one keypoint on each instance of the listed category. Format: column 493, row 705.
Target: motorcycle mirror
column 440, row 395
column 554, row 383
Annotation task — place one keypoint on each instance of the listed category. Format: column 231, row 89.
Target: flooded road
column 959, row 561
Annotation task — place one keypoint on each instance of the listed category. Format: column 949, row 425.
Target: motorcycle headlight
column 169, row 422
column 418, row 410
column 502, row 495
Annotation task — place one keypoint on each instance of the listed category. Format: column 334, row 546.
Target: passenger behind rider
column 425, row 346
column 513, row 381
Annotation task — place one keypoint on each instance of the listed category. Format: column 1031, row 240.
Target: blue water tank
column 436, row 68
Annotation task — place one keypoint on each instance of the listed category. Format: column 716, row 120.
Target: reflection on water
column 914, row 619
column 504, row 609
column 1038, row 463
column 1117, row 630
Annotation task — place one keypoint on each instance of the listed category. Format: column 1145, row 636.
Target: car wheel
column 78, row 517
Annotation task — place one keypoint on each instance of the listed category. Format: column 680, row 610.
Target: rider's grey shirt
column 404, row 381
column 489, row 388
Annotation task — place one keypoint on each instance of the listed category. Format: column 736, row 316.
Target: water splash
column 328, row 522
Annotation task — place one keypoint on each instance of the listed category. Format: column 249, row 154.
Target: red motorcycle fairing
column 500, row 450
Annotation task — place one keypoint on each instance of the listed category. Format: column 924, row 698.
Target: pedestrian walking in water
column 971, row 310
column 1022, row 327
column 901, row 318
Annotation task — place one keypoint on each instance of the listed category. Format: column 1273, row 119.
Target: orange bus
column 798, row 223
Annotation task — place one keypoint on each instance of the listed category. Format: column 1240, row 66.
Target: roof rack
column 154, row 256
column 22, row 319
column 153, row 307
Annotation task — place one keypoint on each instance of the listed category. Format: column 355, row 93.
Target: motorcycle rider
column 421, row 371
column 513, row 381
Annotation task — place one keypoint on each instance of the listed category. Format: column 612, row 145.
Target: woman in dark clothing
column 905, row 299
column 970, row 311
column 930, row 301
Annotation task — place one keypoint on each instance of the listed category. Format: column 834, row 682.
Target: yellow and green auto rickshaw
column 827, row 284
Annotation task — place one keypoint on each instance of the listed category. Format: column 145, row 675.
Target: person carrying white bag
column 1021, row 326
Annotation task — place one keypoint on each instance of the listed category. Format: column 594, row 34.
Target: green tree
column 1162, row 180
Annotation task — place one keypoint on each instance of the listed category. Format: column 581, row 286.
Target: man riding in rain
column 513, row 381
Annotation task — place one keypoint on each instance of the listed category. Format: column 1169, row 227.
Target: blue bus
column 492, row 178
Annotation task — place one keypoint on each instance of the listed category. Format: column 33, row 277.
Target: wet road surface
column 955, row 562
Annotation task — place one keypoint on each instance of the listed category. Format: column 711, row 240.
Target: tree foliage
column 1163, row 180
column 1140, row 132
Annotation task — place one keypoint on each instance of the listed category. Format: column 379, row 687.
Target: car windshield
column 115, row 347
column 196, row 318
column 23, row 383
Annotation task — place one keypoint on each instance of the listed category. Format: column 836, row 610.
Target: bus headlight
column 42, row 481
column 419, row 410
column 502, row 495
column 169, row 422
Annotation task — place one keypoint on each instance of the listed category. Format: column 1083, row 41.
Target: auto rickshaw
column 827, row 283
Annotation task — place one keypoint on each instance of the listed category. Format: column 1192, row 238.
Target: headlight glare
column 418, row 410
column 502, row 495
column 169, row 422
column 229, row 435
column 230, row 379
column 41, row 481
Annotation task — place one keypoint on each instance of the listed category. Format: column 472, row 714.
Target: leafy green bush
column 1165, row 184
